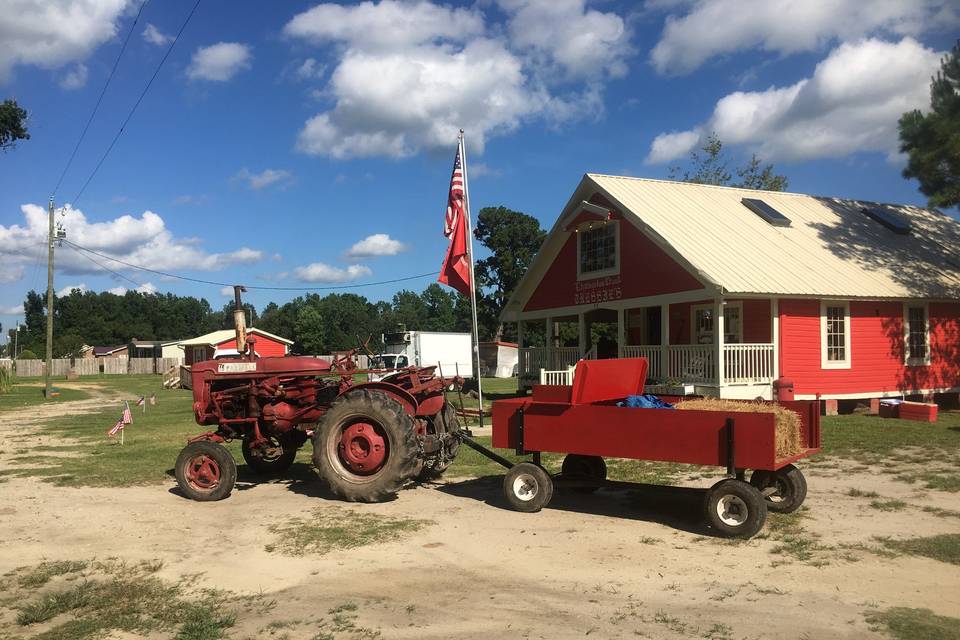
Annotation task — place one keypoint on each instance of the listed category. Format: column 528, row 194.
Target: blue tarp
column 647, row 401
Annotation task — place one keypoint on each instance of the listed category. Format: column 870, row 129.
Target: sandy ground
column 614, row 564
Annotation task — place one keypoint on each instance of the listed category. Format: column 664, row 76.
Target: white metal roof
column 216, row 337
column 830, row 249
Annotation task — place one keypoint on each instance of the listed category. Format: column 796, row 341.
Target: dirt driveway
column 610, row 565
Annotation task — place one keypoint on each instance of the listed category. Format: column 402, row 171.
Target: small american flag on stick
column 127, row 416
column 116, row 428
column 140, row 401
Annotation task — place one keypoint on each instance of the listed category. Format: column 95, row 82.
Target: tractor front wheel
column 365, row 447
column 205, row 471
column 272, row 458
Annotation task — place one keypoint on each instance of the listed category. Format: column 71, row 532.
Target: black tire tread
column 754, row 500
column 544, row 481
column 402, row 462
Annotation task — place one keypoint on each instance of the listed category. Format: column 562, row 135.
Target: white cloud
column 219, row 62
column 717, row 27
column 851, row 103
column 320, row 272
column 226, row 291
column 52, row 33
column 265, row 178
column 117, row 291
column 143, row 241
column 11, row 274
column 670, row 146
column 153, row 35
column 379, row 244
column 76, row 78
column 386, row 25
column 581, row 42
column 147, row 287
column 12, row 310
column 311, row 69
column 65, row 291
column 438, row 69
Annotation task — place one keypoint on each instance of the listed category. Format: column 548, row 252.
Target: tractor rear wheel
column 276, row 457
column 365, row 447
column 205, row 471
column 444, row 424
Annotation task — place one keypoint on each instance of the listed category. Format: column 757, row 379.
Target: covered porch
column 720, row 347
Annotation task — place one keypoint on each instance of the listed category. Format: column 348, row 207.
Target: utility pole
column 49, row 359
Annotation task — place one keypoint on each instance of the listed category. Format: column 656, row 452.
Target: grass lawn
column 24, row 394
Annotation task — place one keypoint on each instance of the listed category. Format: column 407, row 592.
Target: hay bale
column 788, row 423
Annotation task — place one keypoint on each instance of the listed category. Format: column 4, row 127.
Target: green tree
column 932, row 141
column 13, row 120
column 513, row 239
column 310, row 330
column 709, row 165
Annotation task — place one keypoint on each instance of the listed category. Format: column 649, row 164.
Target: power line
column 105, row 267
column 103, row 91
column 253, row 287
column 137, row 103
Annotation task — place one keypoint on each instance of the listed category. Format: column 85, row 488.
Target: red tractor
column 369, row 438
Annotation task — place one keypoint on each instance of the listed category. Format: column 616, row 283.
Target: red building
column 203, row 347
column 726, row 290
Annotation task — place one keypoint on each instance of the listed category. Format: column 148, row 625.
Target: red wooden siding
column 265, row 346
column 645, row 270
column 876, row 349
column 754, row 314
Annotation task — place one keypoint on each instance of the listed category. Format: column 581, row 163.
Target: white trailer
column 451, row 352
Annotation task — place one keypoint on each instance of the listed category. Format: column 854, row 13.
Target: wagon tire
column 205, row 471
column 579, row 467
column 735, row 509
column 527, row 487
column 274, row 465
column 790, row 485
column 445, row 422
column 365, row 447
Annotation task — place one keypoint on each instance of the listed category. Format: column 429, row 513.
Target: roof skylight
column 891, row 221
column 766, row 212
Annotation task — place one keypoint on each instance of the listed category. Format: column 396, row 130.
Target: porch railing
column 653, row 354
column 691, row 363
column 748, row 363
column 534, row 359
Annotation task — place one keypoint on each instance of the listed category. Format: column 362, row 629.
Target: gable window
column 598, row 250
column 916, row 332
column 835, row 335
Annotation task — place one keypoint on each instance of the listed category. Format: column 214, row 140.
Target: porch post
column 775, row 334
column 521, row 369
column 664, row 340
column 582, row 325
column 549, row 364
column 718, row 341
column 621, row 331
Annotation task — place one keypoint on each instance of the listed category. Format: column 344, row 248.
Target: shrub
column 5, row 382
column 26, row 354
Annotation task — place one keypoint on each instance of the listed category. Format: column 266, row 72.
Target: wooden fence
column 115, row 366
column 29, row 368
column 86, row 366
column 140, row 366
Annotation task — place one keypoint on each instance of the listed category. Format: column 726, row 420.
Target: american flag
column 455, row 199
column 140, row 401
column 116, row 428
column 455, row 271
column 127, row 416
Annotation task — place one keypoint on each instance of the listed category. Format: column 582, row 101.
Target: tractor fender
column 406, row 400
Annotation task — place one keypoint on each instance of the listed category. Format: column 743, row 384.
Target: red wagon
column 584, row 422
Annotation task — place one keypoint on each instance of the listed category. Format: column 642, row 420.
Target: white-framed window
column 701, row 319
column 598, row 249
column 834, row 334
column 916, row 334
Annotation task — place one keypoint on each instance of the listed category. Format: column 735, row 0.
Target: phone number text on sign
column 600, row 290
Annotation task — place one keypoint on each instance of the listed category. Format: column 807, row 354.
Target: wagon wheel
column 205, row 471
column 365, row 447
column 735, row 509
column 784, row 490
column 527, row 487
column 585, row 468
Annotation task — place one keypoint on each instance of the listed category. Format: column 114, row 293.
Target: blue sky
column 278, row 137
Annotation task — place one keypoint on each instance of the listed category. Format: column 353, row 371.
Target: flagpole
column 473, row 279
